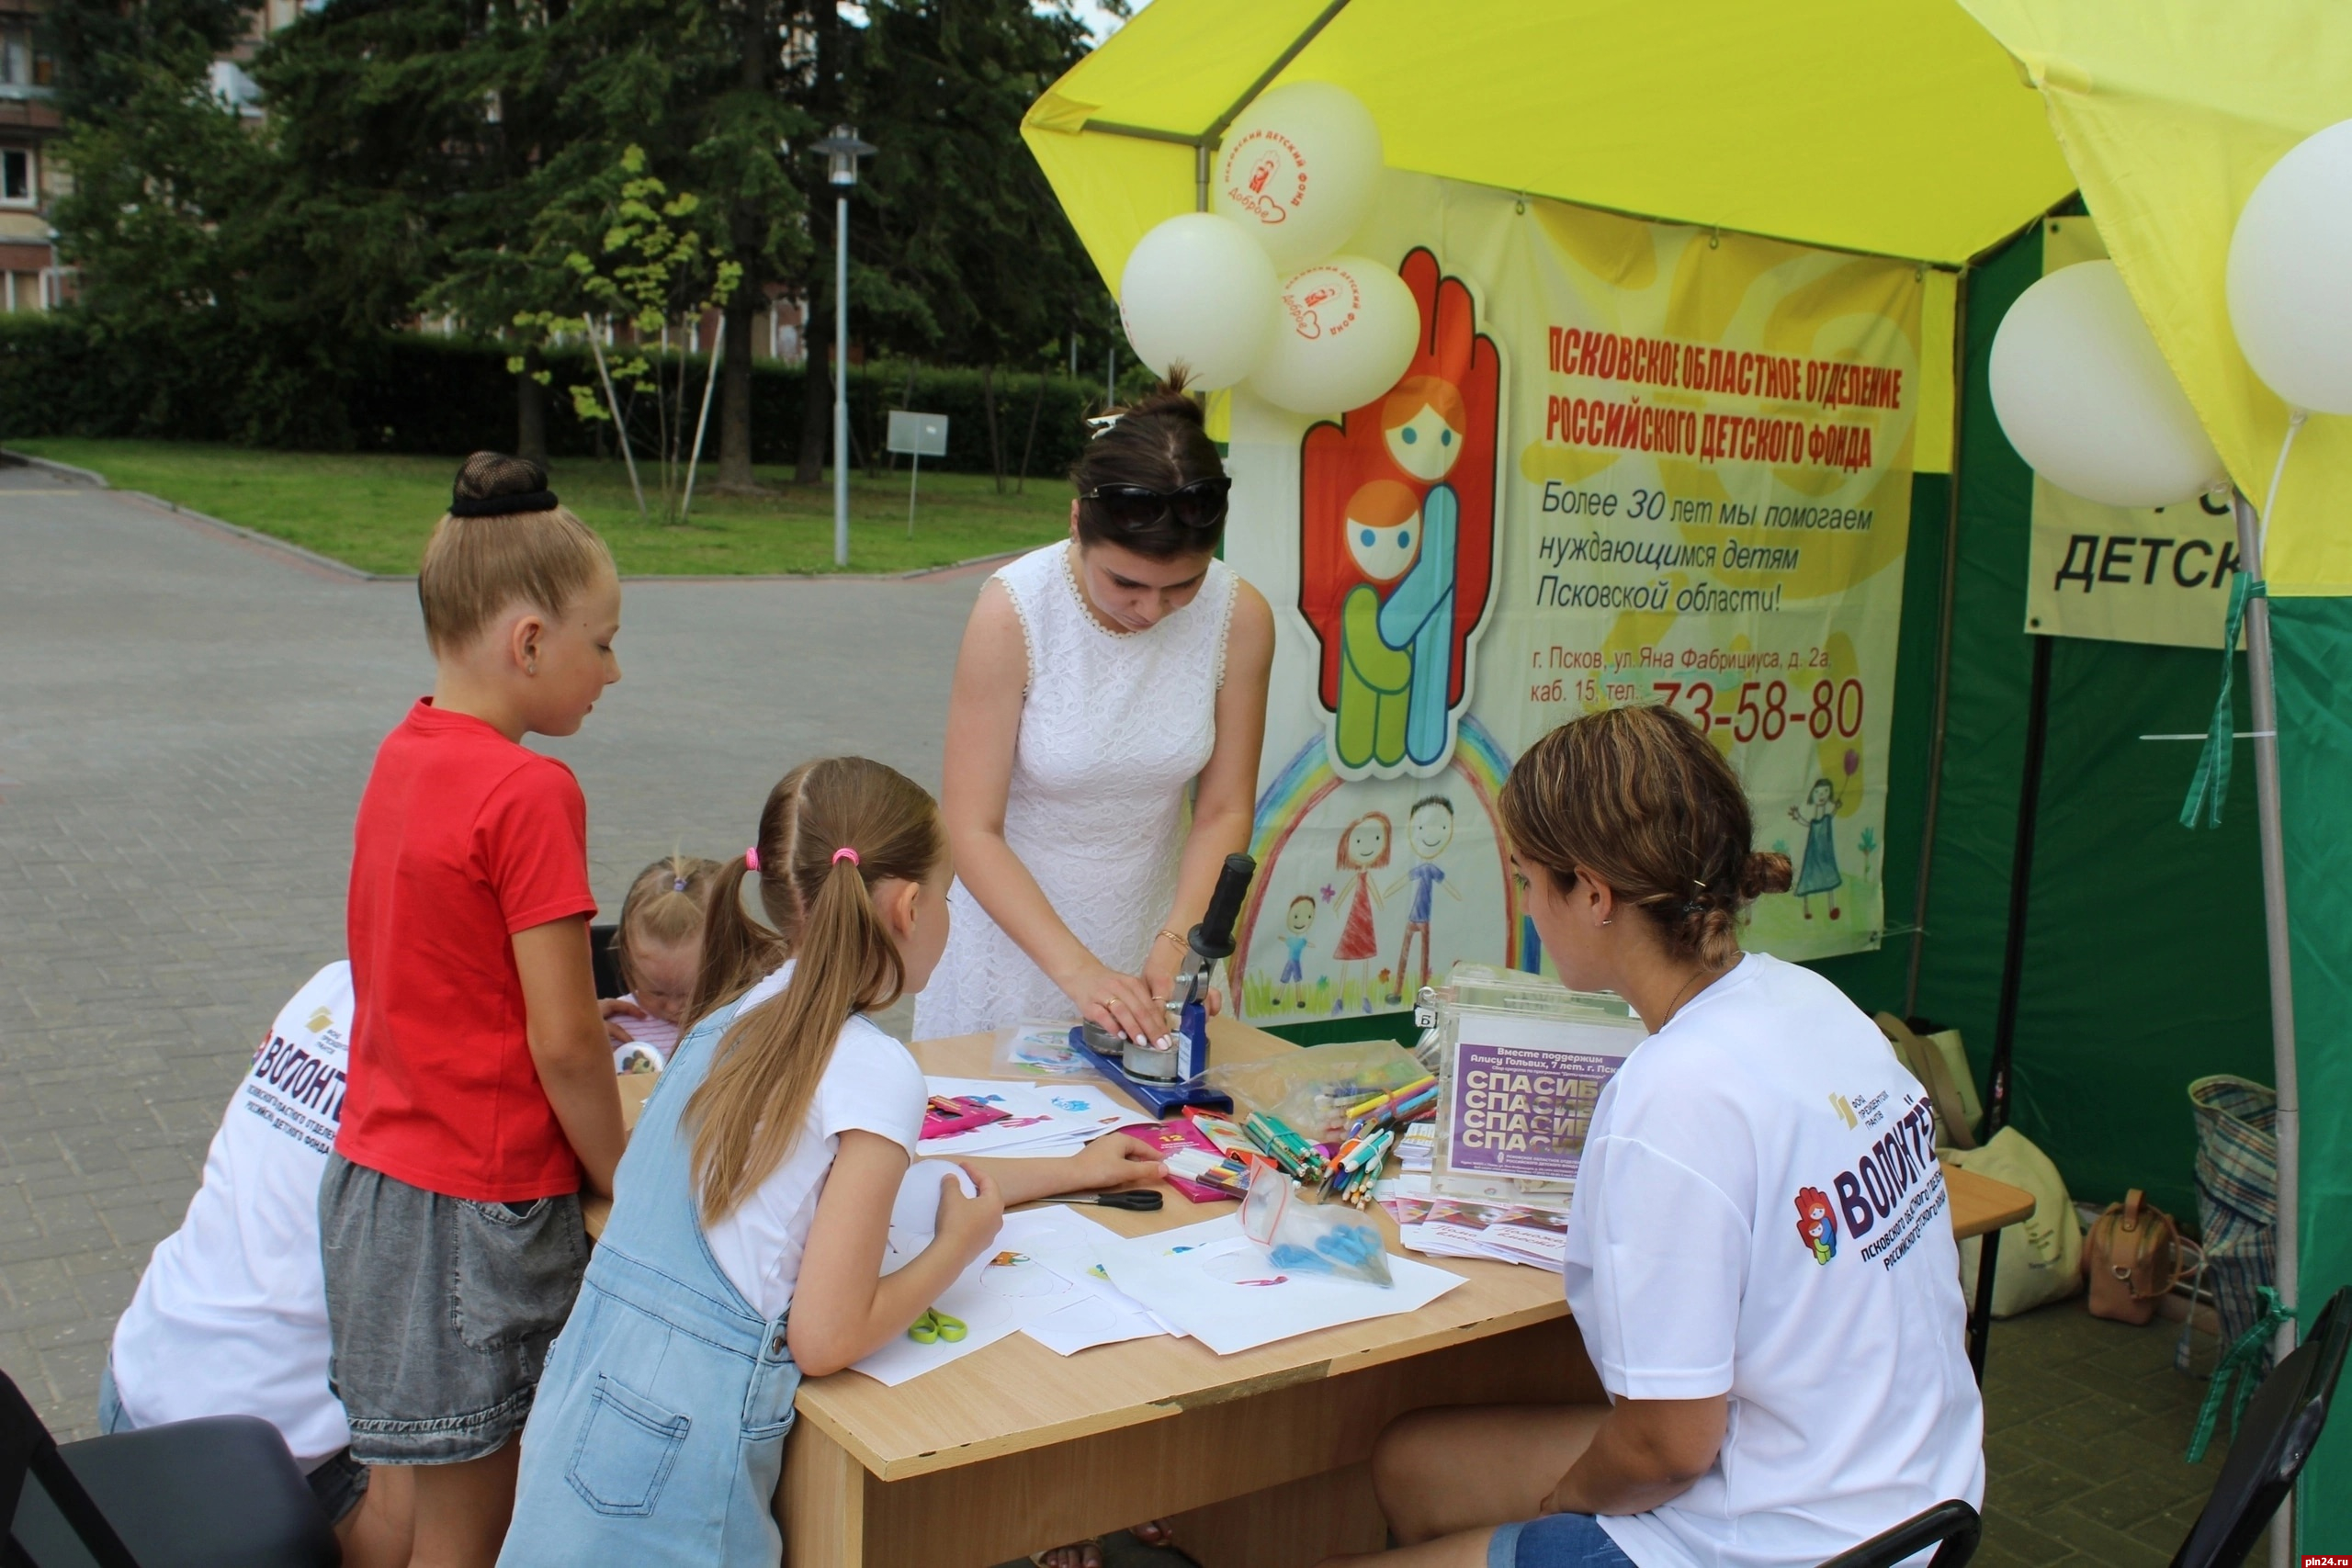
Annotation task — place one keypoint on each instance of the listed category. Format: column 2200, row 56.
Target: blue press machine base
column 1165, row 1099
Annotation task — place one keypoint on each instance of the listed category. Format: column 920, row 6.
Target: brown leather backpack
column 2130, row 1258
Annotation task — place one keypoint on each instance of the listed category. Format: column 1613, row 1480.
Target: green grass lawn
column 374, row 511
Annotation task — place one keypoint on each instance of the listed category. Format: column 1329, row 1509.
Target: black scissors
column 1143, row 1202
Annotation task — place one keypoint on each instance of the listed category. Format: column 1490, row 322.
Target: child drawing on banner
column 1397, row 537
column 1820, row 872
column 1298, row 921
column 1364, row 849
column 1429, row 829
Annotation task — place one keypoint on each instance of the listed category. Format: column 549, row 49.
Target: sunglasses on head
column 1200, row 504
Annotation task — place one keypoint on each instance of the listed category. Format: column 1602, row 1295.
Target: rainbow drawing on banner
column 1369, row 889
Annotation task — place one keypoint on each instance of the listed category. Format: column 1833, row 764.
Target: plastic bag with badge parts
column 1311, row 1239
column 1310, row 1091
column 1037, row 1049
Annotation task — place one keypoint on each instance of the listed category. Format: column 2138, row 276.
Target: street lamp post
column 842, row 151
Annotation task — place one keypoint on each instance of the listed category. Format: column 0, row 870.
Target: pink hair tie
column 845, row 853
column 752, row 858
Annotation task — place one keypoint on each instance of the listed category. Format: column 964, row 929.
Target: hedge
column 61, row 376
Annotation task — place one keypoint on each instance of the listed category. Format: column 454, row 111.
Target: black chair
column 1955, row 1524
column 219, row 1493
column 2275, row 1438
column 607, row 962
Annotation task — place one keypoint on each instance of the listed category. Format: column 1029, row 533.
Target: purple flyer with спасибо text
column 1522, row 1112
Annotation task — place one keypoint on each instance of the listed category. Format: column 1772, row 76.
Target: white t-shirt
column 871, row 1084
column 1758, row 1211
column 230, row 1318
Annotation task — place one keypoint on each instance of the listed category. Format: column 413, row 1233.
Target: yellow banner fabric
column 1633, row 462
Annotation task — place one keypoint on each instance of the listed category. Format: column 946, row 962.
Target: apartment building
column 29, row 178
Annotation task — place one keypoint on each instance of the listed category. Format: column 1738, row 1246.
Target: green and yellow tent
column 1940, row 133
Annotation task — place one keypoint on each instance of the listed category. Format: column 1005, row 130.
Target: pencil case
column 1301, row 1239
column 1194, row 1162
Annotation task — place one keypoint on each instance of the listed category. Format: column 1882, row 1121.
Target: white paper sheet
column 1103, row 1314
column 1005, row 1287
column 1217, row 1285
column 1087, row 1322
column 914, row 1216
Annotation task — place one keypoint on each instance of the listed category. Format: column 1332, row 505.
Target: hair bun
column 1763, row 873
column 488, row 476
column 1170, row 398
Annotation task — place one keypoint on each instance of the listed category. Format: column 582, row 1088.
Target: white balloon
column 1299, row 170
column 1198, row 292
column 1346, row 331
column 2085, row 397
column 2290, row 273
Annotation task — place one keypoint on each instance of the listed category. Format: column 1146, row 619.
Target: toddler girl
column 745, row 1248
column 658, row 948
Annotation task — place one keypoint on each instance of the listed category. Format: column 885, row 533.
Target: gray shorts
column 442, row 1311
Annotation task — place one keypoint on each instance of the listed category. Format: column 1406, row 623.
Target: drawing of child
column 1364, row 849
column 1429, row 829
column 1299, row 919
column 1820, row 872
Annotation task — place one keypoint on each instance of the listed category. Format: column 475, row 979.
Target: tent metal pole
column 2265, row 702
column 2005, row 1022
column 1946, row 598
column 1206, row 141
column 1215, row 133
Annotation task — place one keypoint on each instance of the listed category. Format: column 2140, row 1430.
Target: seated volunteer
column 1768, row 1285
column 231, row 1316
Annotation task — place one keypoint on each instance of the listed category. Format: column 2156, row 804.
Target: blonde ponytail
column 746, row 1115
column 664, row 906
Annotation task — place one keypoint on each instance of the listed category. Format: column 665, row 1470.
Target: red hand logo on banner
column 1397, row 517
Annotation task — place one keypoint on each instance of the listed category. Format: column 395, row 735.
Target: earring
column 1610, row 921
column 530, row 667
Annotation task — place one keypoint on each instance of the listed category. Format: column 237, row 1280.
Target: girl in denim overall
column 750, row 1214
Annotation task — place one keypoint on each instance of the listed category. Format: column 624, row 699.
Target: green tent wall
column 2311, row 648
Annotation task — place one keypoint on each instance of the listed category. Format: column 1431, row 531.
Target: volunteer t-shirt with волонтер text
column 463, row 839
column 231, row 1316
column 1759, row 1213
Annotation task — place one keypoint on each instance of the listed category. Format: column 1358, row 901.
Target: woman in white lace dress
column 1102, row 742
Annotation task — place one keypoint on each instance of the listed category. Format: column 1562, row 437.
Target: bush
column 414, row 393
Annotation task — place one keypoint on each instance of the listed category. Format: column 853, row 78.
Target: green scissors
column 935, row 1328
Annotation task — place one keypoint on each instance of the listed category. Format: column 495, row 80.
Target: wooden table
column 1981, row 1205
column 1259, row 1460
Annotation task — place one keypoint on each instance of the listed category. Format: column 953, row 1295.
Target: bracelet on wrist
column 1172, row 936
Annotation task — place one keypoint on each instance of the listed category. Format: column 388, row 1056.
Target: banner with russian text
column 1631, row 462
